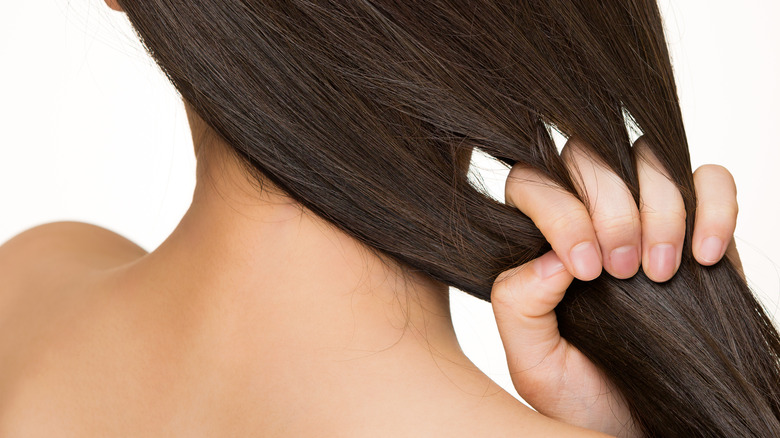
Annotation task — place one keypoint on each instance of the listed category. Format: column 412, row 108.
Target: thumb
column 523, row 300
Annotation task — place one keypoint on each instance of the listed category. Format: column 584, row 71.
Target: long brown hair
column 361, row 111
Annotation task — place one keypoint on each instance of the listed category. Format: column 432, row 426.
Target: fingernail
column 624, row 261
column 585, row 261
column 711, row 249
column 662, row 260
column 548, row 265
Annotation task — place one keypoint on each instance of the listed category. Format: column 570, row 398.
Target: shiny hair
column 362, row 111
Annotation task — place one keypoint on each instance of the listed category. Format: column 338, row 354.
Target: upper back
column 76, row 359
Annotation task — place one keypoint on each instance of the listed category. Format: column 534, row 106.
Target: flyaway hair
column 361, row 110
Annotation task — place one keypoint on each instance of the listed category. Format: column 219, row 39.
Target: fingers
column 612, row 231
column 614, row 213
column 662, row 213
column 716, row 213
column 609, row 232
column 523, row 300
column 548, row 372
column 560, row 216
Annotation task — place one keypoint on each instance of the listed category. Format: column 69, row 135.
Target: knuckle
column 724, row 211
column 518, row 174
column 721, row 209
column 520, row 171
column 615, row 224
column 722, row 219
column 669, row 203
column 564, row 219
column 663, row 218
column 541, row 301
column 503, row 292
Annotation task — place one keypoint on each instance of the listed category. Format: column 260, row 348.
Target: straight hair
column 363, row 110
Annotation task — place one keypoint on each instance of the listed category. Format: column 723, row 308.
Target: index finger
column 560, row 216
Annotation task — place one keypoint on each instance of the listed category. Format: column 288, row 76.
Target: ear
column 113, row 4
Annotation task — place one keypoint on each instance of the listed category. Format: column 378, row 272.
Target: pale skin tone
column 550, row 374
column 257, row 317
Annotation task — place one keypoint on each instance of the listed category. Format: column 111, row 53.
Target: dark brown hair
column 360, row 110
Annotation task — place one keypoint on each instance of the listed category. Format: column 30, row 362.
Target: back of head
column 362, row 111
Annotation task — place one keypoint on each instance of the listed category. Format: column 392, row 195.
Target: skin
column 616, row 235
column 550, row 374
column 252, row 312
column 257, row 317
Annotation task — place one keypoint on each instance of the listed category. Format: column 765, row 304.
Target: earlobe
column 113, row 4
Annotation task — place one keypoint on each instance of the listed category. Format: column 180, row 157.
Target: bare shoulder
column 49, row 289
column 81, row 237
column 45, row 268
column 62, row 250
column 71, row 349
column 52, row 261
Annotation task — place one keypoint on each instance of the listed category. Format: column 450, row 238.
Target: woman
column 259, row 316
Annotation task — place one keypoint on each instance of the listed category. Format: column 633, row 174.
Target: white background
column 92, row 131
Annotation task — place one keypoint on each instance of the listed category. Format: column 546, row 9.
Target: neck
column 259, row 261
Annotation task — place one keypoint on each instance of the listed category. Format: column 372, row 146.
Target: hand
column 549, row 373
column 612, row 236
